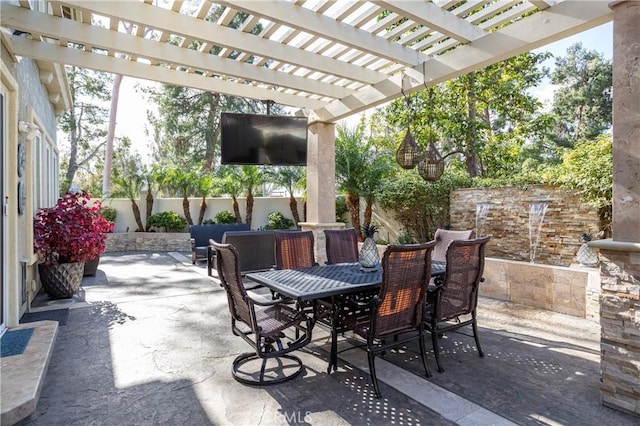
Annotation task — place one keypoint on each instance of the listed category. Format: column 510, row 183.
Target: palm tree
column 289, row 178
column 251, row 177
column 229, row 183
column 360, row 169
column 181, row 182
column 350, row 168
column 129, row 186
column 204, row 187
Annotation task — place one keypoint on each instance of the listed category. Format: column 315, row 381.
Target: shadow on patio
column 153, row 345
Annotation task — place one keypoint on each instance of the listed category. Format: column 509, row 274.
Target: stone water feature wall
column 566, row 218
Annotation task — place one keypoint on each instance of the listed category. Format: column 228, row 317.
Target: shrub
column 170, row 221
column 421, row 207
column 71, row 231
column 208, row 222
column 109, row 213
column 276, row 220
column 225, row 217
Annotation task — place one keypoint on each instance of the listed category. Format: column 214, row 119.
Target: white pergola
column 332, row 59
column 329, row 58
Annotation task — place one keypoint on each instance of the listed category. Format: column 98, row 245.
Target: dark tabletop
column 325, row 280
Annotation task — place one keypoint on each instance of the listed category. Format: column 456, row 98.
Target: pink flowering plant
column 71, row 231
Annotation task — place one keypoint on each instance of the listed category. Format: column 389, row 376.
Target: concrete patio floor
column 148, row 341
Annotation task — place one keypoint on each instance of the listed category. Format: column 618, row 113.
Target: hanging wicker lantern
column 431, row 166
column 408, row 154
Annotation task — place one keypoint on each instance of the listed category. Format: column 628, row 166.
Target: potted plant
column 65, row 237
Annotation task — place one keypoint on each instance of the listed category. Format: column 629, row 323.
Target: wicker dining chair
column 272, row 328
column 457, row 295
column 443, row 238
column 341, row 245
column 396, row 312
column 294, row 249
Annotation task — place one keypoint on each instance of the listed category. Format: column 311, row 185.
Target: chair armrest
column 193, row 243
column 359, row 303
column 266, row 302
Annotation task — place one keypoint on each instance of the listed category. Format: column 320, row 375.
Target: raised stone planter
column 148, row 241
column 567, row 290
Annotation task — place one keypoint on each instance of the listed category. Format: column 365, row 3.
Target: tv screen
column 255, row 139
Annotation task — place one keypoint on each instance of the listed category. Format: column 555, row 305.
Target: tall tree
column 583, row 103
column 84, row 124
column 488, row 107
column 187, row 124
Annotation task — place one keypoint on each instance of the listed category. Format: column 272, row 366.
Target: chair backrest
column 294, row 249
column 255, row 249
column 465, row 265
column 203, row 233
column 227, row 259
column 342, row 245
column 406, row 271
column 443, row 238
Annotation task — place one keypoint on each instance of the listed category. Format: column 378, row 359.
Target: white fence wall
column 262, row 206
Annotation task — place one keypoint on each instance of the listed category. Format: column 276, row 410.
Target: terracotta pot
column 91, row 266
column 61, row 281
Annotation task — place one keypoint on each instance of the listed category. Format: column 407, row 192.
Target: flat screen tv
column 255, row 139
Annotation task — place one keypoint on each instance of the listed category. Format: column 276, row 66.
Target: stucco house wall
column 31, row 106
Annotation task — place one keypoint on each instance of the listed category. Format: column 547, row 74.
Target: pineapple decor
column 586, row 256
column 369, row 256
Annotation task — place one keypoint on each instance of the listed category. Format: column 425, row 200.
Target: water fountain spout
column 482, row 211
column 536, row 217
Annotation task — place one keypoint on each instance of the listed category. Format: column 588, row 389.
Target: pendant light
column 431, row 165
column 408, row 154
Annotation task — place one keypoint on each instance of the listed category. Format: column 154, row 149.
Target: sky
column 132, row 108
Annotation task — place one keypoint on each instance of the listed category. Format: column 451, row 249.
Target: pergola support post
column 620, row 256
column 321, row 185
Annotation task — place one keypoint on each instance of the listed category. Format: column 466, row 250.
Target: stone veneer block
column 148, row 241
column 620, row 325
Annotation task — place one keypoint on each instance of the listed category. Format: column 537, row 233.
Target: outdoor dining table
column 327, row 288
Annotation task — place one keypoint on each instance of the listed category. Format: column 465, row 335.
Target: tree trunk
column 113, row 114
column 472, row 163
column 108, row 154
column 149, row 208
column 186, row 210
column 249, row 207
column 136, row 215
column 353, row 204
column 203, row 209
column 236, row 210
column 293, row 205
column 368, row 212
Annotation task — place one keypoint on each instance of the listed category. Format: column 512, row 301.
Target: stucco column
column 620, row 256
column 626, row 121
column 321, row 184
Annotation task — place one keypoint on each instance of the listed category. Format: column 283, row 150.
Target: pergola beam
column 50, row 52
column 175, row 23
column 166, row 53
column 430, row 15
column 545, row 27
column 317, row 24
